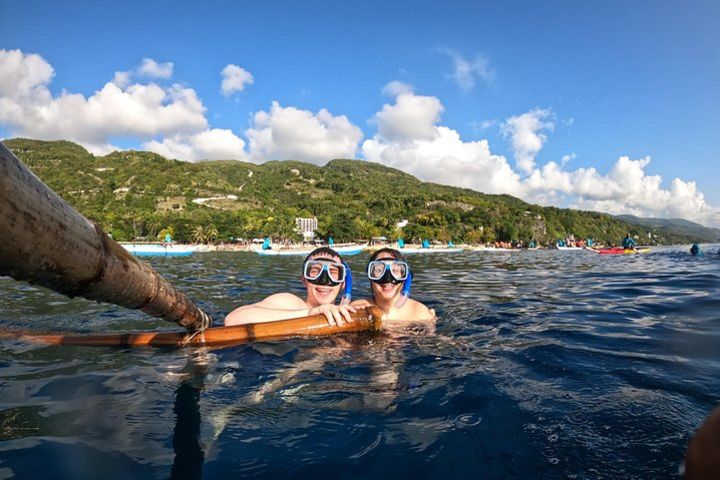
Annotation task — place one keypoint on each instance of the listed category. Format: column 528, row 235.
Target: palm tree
column 199, row 235
column 211, row 233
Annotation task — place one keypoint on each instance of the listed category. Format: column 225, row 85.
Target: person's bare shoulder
column 282, row 301
column 419, row 311
column 275, row 307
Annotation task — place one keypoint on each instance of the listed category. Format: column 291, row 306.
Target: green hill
column 677, row 226
column 142, row 195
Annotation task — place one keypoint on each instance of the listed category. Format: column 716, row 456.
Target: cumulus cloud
column 526, row 136
column 151, row 69
column 409, row 139
column 410, row 118
column 234, row 79
column 626, row 188
column 289, row 132
column 395, row 88
column 212, row 144
column 145, row 111
column 467, row 72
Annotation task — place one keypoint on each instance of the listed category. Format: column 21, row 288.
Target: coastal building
column 306, row 227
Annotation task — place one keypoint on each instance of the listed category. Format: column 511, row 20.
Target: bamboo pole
column 47, row 242
column 369, row 318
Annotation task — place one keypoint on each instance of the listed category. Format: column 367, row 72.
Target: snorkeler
column 324, row 275
column 390, row 281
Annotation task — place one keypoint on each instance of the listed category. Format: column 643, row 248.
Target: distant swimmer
column 628, row 242
column 695, row 250
column 390, row 281
column 324, row 275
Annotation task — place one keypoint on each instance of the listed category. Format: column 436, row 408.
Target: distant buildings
column 306, row 227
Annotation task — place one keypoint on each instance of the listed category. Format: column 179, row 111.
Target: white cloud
column 27, row 107
column 213, row 144
column 409, row 139
column 234, row 79
column 395, row 88
column 526, row 136
column 467, row 72
column 626, row 188
column 151, row 69
column 291, row 133
column 410, row 118
column 122, row 79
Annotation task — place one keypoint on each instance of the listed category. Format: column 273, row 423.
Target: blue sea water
column 545, row 364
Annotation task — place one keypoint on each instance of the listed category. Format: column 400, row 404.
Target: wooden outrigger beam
column 369, row 318
column 47, row 242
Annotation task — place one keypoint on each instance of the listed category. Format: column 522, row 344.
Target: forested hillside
column 135, row 194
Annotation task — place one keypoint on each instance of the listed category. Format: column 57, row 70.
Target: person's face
column 385, row 291
column 321, row 294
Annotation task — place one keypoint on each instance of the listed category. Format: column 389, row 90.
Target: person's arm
column 282, row 306
column 279, row 306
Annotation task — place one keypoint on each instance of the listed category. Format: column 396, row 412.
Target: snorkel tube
column 347, row 292
column 407, row 284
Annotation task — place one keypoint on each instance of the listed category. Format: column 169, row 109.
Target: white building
column 306, row 227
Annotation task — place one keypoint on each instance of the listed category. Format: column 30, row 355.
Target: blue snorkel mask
column 329, row 272
column 391, row 270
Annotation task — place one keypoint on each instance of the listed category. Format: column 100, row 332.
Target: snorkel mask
column 391, row 270
column 327, row 271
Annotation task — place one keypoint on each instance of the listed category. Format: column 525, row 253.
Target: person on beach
column 324, row 275
column 390, row 280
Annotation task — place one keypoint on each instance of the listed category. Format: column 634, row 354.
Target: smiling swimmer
column 324, row 275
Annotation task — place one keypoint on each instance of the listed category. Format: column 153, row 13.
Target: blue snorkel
column 405, row 294
column 347, row 293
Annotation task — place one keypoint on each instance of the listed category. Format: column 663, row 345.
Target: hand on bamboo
column 336, row 315
column 361, row 303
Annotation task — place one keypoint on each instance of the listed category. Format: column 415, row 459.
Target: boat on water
column 494, row 249
column 159, row 249
column 619, row 250
column 412, row 250
column 345, row 250
column 566, row 248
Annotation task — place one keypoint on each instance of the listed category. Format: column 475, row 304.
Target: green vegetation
column 136, row 195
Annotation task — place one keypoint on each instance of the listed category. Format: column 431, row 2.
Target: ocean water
column 545, row 364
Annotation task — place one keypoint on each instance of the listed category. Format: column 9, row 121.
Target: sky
column 611, row 106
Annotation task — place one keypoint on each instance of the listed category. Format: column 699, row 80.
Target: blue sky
column 611, row 106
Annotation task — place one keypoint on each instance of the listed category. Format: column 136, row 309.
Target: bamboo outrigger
column 368, row 318
column 47, row 242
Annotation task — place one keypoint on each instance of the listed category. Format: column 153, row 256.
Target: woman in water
column 390, row 279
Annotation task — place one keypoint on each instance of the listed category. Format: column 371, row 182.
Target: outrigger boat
column 345, row 250
column 566, row 248
column 159, row 249
column 430, row 250
column 619, row 250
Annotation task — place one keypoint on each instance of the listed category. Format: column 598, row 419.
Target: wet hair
column 393, row 253
column 322, row 251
